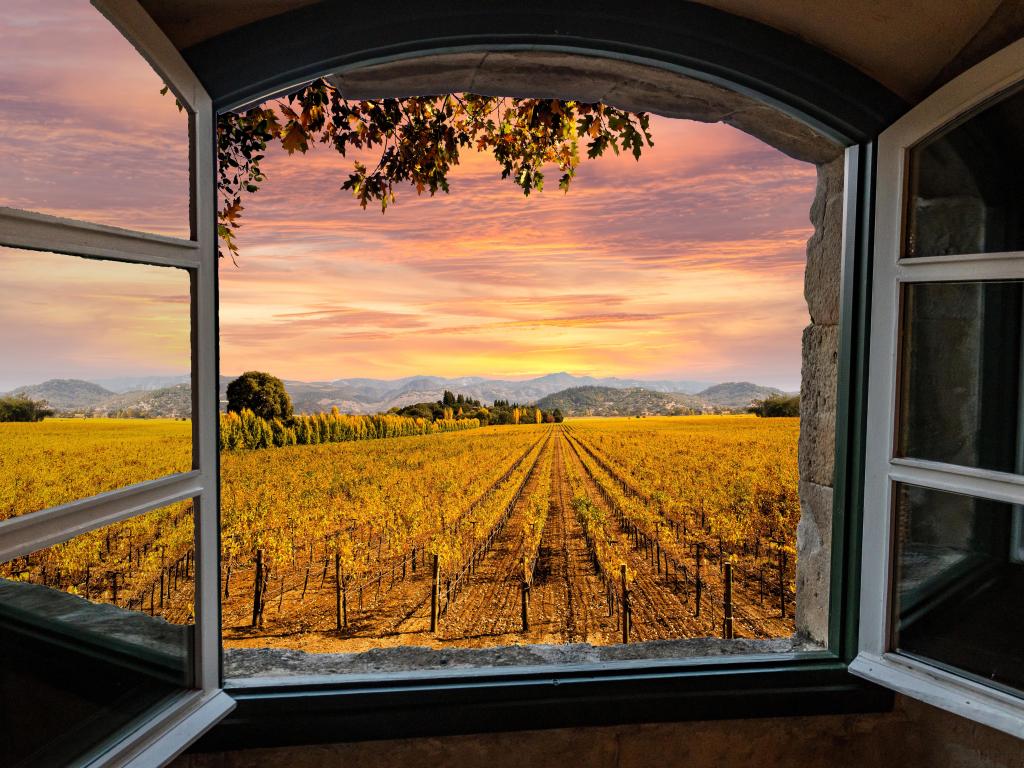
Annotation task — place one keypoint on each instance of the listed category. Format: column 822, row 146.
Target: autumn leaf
column 418, row 139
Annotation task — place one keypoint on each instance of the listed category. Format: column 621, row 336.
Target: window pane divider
column 42, row 232
column 995, row 266
column 998, row 486
column 961, row 470
column 956, row 258
column 20, row 536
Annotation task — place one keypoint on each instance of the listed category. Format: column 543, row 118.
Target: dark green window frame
column 266, row 57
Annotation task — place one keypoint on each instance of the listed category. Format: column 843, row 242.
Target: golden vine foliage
column 734, row 477
column 246, row 430
column 57, row 461
column 375, row 499
column 727, row 482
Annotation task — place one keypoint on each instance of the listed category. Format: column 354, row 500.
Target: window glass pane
column 963, row 193
column 87, row 133
column 653, row 347
column 960, row 374
column 959, row 582
column 98, row 629
column 103, row 348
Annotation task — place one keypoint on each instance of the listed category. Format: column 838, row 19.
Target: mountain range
column 637, row 401
column 87, row 398
column 170, row 396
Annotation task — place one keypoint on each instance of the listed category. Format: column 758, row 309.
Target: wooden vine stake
column 627, row 617
column 782, row 582
column 525, row 594
column 337, row 589
column 433, row 594
column 727, row 622
column 257, row 590
column 698, row 584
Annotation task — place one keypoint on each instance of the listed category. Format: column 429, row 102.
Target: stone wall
column 818, row 378
column 638, row 87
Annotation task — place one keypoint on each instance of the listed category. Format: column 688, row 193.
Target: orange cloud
column 688, row 263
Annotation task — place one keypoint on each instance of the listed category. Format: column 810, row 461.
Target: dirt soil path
column 567, row 599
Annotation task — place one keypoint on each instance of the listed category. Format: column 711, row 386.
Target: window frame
column 876, row 659
column 321, row 709
column 244, row 66
column 695, row 41
column 159, row 734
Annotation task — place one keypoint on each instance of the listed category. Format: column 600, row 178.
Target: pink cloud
column 686, row 264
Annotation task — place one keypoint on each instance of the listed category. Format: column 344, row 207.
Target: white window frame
column 877, row 659
column 161, row 734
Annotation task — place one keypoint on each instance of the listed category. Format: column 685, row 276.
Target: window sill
column 451, row 702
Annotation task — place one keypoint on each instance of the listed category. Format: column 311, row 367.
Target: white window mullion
column 954, row 479
column 927, row 683
column 206, row 396
column 42, row 232
column 998, row 266
column 20, row 536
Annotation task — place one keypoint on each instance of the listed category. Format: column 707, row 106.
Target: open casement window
column 942, row 597
column 104, row 681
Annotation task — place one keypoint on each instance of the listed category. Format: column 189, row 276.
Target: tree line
column 776, row 405
column 458, row 406
column 21, row 408
column 244, row 429
column 260, row 415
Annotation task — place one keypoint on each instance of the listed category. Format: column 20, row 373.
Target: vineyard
column 596, row 530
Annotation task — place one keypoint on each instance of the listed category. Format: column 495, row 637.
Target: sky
column 685, row 265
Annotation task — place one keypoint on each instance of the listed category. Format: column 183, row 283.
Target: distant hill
column 85, row 398
column 168, row 396
column 66, row 394
column 609, row 401
column 122, row 384
column 166, row 403
column 639, row 401
column 379, row 395
column 736, row 394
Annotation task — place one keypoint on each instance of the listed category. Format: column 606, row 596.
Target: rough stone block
column 421, row 76
column 546, row 75
column 627, row 85
column 823, row 274
column 814, row 558
column 818, row 403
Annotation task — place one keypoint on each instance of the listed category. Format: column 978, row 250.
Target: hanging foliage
column 419, row 140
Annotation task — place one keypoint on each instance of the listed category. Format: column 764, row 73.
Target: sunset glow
column 685, row 265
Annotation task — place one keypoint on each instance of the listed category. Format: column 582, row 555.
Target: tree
column 448, row 398
column 777, row 405
column 22, row 408
column 559, row 418
column 419, row 139
column 261, row 393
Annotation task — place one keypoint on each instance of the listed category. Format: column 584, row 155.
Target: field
column 595, row 530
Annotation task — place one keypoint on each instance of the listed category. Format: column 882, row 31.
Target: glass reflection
column 959, row 583
column 963, row 185
column 960, row 374
column 98, row 629
column 101, row 350
column 87, row 134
